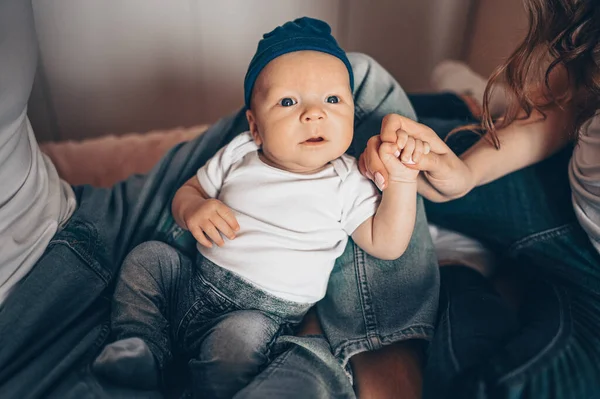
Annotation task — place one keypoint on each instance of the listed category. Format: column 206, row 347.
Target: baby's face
column 302, row 111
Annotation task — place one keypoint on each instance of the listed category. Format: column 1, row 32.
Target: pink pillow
column 106, row 160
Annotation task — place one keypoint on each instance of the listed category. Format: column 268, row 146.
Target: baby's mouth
column 315, row 140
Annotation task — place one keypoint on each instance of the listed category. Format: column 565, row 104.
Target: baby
column 271, row 212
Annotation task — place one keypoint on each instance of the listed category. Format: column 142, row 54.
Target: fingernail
column 379, row 181
column 397, row 153
column 410, row 161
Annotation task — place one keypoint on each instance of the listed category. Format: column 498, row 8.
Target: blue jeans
column 551, row 347
column 222, row 325
column 56, row 320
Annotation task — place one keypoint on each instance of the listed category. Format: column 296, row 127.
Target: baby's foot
column 128, row 362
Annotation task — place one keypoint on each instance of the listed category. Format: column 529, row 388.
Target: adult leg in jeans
column 473, row 322
column 560, row 313
column 528, row 217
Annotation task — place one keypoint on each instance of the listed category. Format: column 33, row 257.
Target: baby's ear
column 253, row 127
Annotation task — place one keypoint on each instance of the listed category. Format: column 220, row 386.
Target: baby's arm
column 387, row 234
column 203, row 216
column 190, row 195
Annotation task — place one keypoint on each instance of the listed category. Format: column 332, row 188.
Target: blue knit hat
column 301, row 34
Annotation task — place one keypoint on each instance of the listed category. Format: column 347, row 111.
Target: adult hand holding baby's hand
column 397, row 157
column 210, row 218
column 445, row 176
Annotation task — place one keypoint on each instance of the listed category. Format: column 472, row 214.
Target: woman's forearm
column 522, row 143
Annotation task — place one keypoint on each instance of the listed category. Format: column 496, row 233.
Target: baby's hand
column 400, row 156
column 411, row 149
column 211, row 218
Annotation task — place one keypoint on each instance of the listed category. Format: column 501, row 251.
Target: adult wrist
column 470, row 183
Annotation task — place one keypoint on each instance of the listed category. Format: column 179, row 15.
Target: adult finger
column 363, row 168
column 396, row 123
column 426, row 148
column 390, row 124
column 402, row 139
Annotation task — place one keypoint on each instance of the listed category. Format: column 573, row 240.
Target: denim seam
column 371, row 333
column 452, row 352
column 88, row 254
column 539, row 237
column 361, row 112
column 83, row 257
column 104, row 333
column 90, row 230
column 517, row 373
column 349, row 348
column 269, row 347
column 220, row 294
column 162, row 308
column 99, row 343
column 195, row 308
column 267, row 372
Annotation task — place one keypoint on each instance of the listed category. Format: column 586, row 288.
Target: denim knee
column 233, row 352
column 152, row 256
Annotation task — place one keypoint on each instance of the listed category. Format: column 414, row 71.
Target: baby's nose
column 313, row 114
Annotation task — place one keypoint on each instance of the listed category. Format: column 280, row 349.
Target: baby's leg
column 146, row 295
column 232, row 353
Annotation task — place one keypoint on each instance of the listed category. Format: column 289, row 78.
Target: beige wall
column 116, row 66
column 409, row 37
column 498, row 26
column 134, row 65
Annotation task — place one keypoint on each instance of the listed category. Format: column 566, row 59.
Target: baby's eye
column 287, row 102
column 333, row 99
